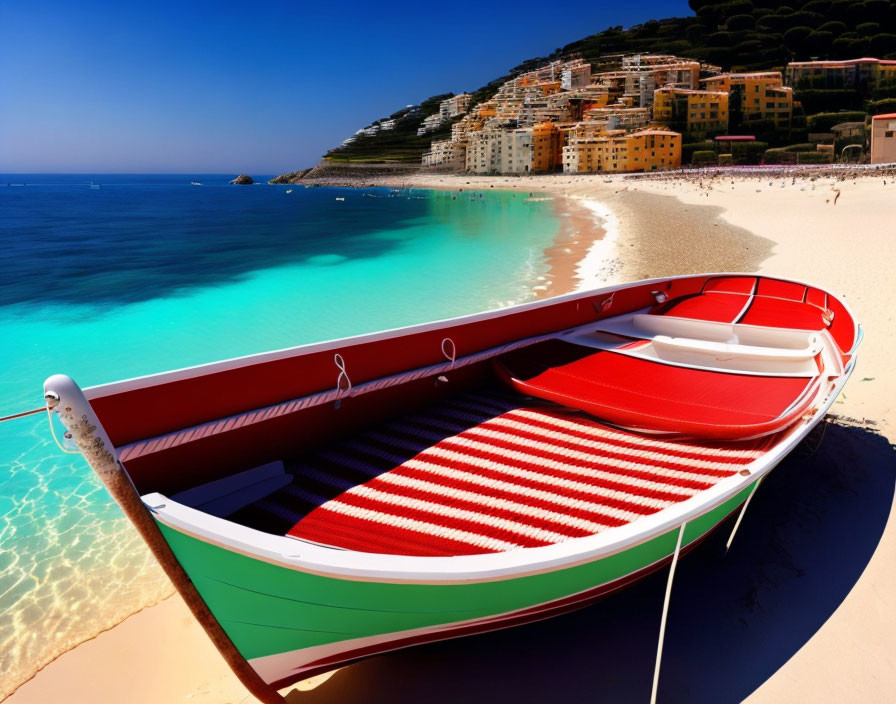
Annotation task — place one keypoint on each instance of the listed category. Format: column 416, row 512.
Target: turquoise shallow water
column 149, row 273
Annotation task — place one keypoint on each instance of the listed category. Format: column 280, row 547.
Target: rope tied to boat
column 452, row 357
column 52, row 400
column 342, row 377
column 23, row 414
column 659, row 647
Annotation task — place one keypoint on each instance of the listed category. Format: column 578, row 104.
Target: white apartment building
column 454, row 106
column 447, row 154
column 484, row 151
column 448, row 109
column 515, row 156
column 575, row 74
column 429, row 124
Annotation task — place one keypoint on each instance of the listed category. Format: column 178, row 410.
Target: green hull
column 268, row 609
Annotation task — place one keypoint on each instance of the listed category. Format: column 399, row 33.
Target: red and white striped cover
column 524, row 477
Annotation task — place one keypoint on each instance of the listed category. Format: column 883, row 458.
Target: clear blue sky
column 256, row 87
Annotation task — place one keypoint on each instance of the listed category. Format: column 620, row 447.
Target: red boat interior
column 633, row 403
column 483, row 473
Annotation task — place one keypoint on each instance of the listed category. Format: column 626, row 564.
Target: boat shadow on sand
column 734, row 619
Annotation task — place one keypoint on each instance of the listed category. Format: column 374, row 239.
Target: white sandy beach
column 649, row 227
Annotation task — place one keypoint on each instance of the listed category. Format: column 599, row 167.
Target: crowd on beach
column 706, row 180
column 835, row 172
column 704, row 177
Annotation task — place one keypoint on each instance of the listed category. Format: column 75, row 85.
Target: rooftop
column 844, row 62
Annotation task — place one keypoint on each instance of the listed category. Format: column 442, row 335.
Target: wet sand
column 577, row 233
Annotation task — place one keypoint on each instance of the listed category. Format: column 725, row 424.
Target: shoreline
column 653, row 226
column 581, row 230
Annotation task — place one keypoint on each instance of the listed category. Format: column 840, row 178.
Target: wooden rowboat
column 321, row 504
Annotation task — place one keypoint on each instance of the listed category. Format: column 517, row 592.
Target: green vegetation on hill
column 398, row 144
column 739, row 35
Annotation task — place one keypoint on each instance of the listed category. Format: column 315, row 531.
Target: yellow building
column 616, row 152
column 863, row 75
column 759, row 96
column 694, row 111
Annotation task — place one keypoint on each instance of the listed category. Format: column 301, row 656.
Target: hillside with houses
column 742, row 82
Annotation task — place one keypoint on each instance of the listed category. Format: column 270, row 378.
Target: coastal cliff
column 291, row 177
column 332, row 173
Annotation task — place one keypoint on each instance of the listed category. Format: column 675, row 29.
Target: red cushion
column 649, row 395
column 731, row 284
column 743, row 308
column 718, row 307
column 777, row 313
column 781, row 289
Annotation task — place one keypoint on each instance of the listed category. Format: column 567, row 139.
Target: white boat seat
column 744, row 349
column 645, row 327
column 664, row 343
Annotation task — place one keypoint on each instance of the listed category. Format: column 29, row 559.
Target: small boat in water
column 325, row 503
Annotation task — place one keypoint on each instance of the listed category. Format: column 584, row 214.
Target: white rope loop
column 341, row 391
column 452, row 356
column 71, row 449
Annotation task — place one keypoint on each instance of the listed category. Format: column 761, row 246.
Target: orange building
column 547, row 147
column 759, row 96
column 616, row 152
column 694, row 111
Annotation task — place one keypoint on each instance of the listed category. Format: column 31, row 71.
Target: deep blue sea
column 144, row 273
